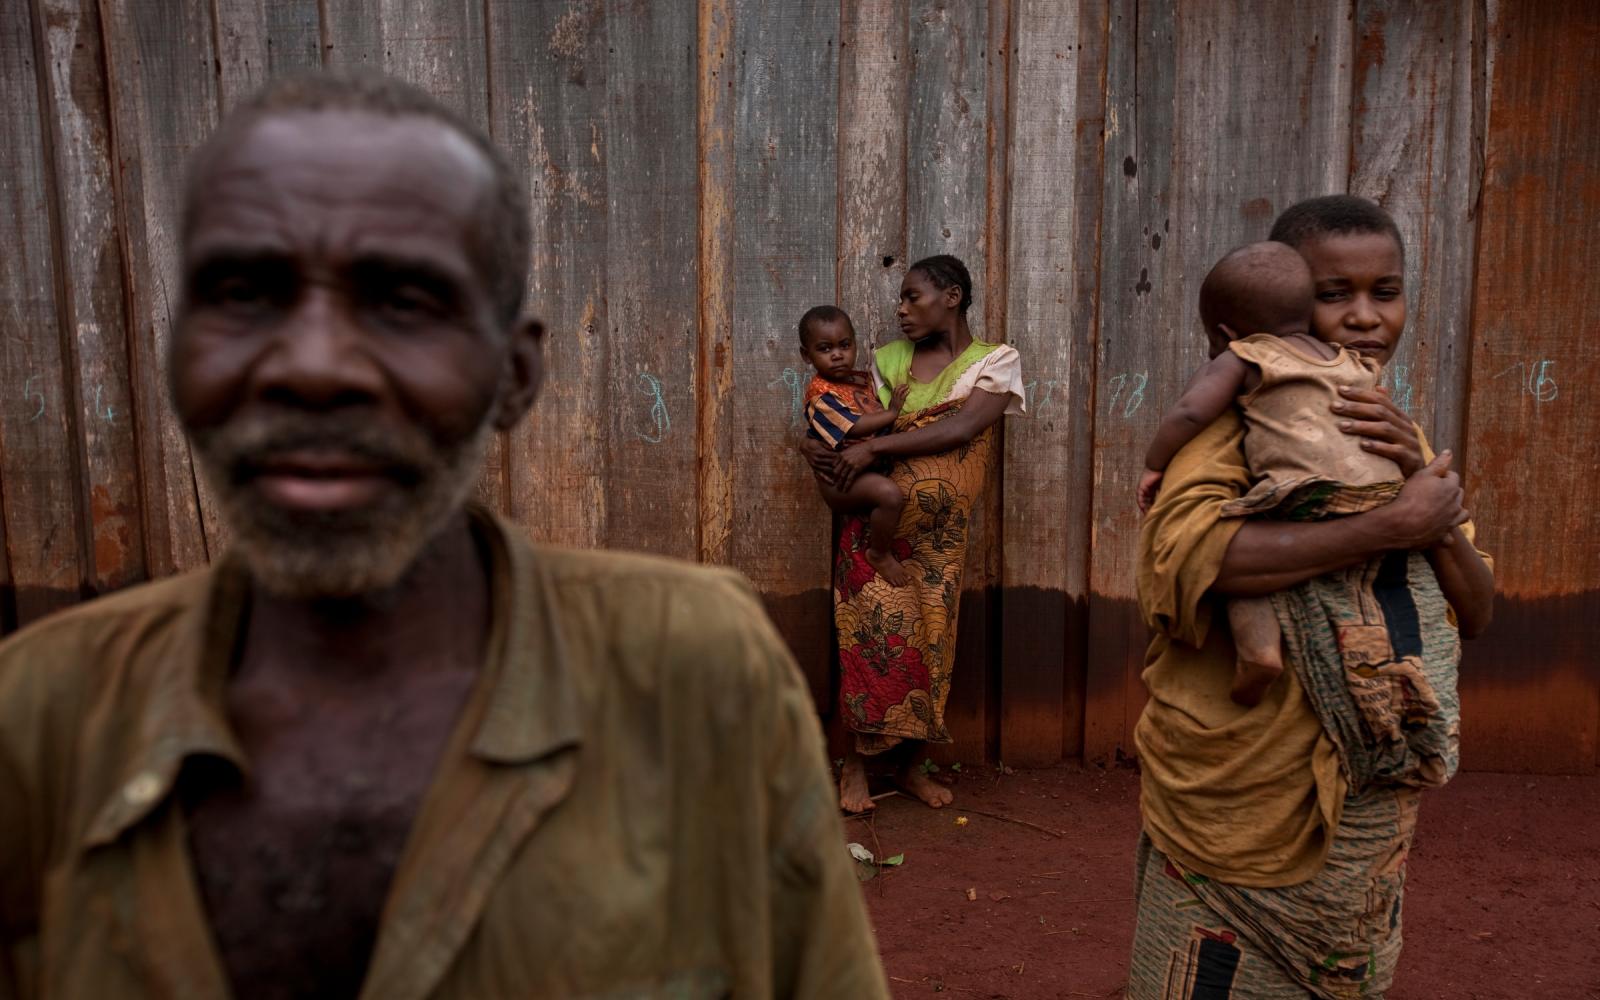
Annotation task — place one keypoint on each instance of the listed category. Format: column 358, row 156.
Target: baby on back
column 1256, row 308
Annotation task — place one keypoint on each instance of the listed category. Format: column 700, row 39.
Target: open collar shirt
column 634, row 803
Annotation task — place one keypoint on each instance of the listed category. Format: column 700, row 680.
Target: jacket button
column 142, row 789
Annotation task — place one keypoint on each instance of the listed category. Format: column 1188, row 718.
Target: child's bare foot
column 1251, row 680
column 913, row 780
column 854, row 795
column 888, row 567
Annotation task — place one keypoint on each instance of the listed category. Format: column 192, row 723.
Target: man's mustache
column 242, row 450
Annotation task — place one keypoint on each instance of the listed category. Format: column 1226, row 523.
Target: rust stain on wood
column 714, row 476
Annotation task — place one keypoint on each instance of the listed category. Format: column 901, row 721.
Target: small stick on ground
column 942, row 985
column 877, row 856
column 1012, row 819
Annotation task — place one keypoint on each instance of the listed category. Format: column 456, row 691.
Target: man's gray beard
column 338, row 554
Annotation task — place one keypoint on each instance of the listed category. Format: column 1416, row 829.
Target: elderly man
column 386, row 747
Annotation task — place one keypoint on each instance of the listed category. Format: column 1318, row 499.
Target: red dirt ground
column 1503, row 893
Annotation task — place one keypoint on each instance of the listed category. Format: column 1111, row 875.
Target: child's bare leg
column 884, row 501
column 887, row 503
column 1259, row 645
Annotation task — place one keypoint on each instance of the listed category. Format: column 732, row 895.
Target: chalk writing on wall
column 1037, row 398
column 1127, row 388
column 1397, row 379
column 1534, row 378
column 29, row 392
column 795, row 382
column 660, row 419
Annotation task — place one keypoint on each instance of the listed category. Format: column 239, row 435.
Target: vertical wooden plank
column 93, row 316
column 982, row 628
column 1139, row 334
column 1414, row 150
column 8, row 585
column 160, row 68
column 352, row 34
column 652, row 283
column 439, row 46
column 998, row 53
column 37, row 460
column 874, row 75
column 1224, row 114
column 1531, row 686
column 785, row 118
column 294, row 35
column 261, row 39
column 1053, row 274
column 442, row 47
column 947, row 211
column 549, row 66
column 255, row 40
column 947, row 137
column 714, row 141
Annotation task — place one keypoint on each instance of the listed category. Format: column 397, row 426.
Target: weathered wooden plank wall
column 701, row 173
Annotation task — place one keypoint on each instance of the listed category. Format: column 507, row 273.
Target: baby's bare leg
column 1259, row 644
column 883, row 501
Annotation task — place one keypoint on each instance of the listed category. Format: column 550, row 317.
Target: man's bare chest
column 295, row 861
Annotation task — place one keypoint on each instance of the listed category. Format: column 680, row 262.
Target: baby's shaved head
column 1258, row 288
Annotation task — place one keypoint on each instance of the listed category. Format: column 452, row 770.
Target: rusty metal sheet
column 1531, row 686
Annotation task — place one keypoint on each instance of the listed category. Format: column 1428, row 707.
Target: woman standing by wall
column 1272, row 860
column 897, row 644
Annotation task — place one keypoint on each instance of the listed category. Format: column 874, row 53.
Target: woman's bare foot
column 913, row 780
column 1251, row 680
column 854, row 795
column 888, row 567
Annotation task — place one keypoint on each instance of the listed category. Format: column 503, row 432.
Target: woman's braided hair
column 946, row 271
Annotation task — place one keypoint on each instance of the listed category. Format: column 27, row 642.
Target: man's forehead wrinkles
column 323, row 225
column 315, row 187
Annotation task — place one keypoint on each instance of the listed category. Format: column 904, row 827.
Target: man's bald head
column 505, row 235
column 1257, row 288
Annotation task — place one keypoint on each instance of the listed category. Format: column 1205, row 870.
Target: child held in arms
column 841, row 405
column 1256, row 307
